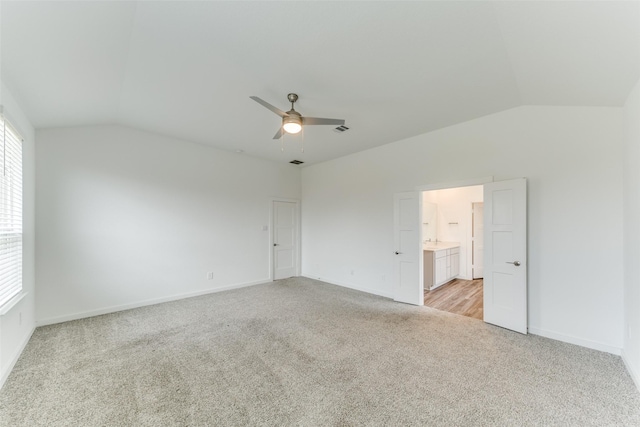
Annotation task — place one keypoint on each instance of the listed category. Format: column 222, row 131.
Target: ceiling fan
column 292, row 121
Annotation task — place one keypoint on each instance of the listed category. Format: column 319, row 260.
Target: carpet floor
column 302, row 352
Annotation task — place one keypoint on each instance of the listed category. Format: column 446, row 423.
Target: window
column 10, row 212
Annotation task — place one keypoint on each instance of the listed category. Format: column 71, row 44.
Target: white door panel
column 285, row 248
column 408, row 286
column 505, row 254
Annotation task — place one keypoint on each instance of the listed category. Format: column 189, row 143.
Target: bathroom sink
column 437, row 246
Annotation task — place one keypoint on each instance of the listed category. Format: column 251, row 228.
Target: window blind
column 10, row 212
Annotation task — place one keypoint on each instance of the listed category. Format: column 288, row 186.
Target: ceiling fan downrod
column 292, row 97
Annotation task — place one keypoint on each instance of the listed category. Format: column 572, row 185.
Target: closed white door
column 285, row 239
column 505, row 255
column 408, row 286
column 477, row 240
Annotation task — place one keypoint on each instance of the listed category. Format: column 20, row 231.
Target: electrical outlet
column 210, row 275
column 265, row 228
column 352, row 272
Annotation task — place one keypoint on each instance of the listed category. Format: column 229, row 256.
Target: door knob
column 275, row 244
column 398, row 253
column 516, row 263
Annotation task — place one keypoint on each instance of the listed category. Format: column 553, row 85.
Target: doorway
column 452, row 244
column 504, row 259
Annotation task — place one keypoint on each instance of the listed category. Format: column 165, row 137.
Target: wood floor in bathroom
column 463, row 297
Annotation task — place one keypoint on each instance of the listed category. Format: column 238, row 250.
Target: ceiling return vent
column 341, row 129
column 296, row 162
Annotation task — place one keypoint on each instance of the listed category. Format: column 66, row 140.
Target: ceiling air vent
column 296, row 162
column 341, row 129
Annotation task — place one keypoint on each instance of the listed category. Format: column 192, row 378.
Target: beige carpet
column 302, row 352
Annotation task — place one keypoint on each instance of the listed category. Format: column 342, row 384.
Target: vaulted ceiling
column 390, row 69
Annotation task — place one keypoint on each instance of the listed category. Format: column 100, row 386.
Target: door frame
column 297, row 237
column 455, row 184
column 473, row 240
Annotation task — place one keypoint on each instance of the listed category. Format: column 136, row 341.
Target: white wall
column 572, row 157
column 631, row 352
column 454, row 220
column 126, row 218
column 18, row 323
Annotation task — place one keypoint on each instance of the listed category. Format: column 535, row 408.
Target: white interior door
column 285, row 239
column 408, row 286
column 478, row 240
column 505, row 255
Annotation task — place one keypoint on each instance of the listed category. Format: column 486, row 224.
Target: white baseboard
column 351, row 286
column 14, row 359
column 116, row 308
column 633, row 372
column 577, row 341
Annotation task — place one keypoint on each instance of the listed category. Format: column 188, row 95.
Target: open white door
column 408, row 286
column 505, row 254
column 285, row 240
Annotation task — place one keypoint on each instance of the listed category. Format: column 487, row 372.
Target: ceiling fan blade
column 278, row 134
column 269, row 106
column 319, row 121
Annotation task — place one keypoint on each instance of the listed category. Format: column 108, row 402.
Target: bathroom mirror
column 429, row 221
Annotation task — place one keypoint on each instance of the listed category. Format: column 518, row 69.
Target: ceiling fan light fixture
column 292, row 121
column 292, row 124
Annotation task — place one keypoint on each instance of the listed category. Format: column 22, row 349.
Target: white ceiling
column 391, row 69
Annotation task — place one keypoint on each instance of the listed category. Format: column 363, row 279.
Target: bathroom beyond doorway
column 453, row 217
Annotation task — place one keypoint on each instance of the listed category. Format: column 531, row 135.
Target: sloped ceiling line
column 391, row 69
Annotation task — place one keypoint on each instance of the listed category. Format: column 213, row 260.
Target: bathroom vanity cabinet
column 441, row 264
